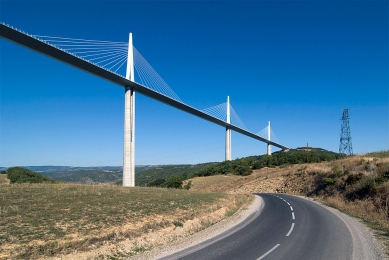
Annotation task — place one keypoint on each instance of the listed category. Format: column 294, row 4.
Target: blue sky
column 295, row 63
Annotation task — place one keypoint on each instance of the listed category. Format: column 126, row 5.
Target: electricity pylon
column 345, row 146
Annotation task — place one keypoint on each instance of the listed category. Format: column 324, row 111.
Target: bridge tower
column 228, row 132
column 129, row 122
column 268, row 138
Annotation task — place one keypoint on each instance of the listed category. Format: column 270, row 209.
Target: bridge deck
column 32, row 43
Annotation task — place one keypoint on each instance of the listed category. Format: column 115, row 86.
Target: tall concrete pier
column 228, row 132
column 268, row 138
column 129, row 123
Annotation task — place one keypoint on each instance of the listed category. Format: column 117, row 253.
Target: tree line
column 22, row 175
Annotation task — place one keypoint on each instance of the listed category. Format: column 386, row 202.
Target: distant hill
column 166, row 171
column 88, row 175
column 146, row 174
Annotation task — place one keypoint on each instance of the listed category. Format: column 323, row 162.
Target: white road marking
column 288, row 203
column 292, row 215
column 291, row 229
column 291, row 208
column 268, row 252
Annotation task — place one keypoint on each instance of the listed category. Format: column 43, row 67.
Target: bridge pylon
column 268, row 138
column 228, row 132
column 129, row 122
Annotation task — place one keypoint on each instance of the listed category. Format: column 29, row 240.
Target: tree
column 157, row 183
column 175, row 181
column 21, row 175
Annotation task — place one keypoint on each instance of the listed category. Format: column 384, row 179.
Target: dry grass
column 228, row 183
column 354, row 185
column 369, row 204
column 49, row 219
column 3, row 179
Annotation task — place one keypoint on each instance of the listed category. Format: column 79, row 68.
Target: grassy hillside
column 46, row 219
column 244, row 166
column 358, row 185
column 165, row 172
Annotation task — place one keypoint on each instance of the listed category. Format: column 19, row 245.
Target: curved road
column 288, row 227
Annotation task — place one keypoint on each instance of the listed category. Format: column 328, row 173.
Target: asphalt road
column 288, row 227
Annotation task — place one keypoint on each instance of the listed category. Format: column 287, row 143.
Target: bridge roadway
column 32, row 43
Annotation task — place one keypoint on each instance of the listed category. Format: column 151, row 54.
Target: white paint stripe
column 291, row 229
column 291, row 208
column 268, row 252
column 292, row 215
column 288, row 203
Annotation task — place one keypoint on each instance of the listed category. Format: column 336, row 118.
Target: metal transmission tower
column 345, row 146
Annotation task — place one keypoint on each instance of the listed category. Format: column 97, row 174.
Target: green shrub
column 21, row 175
column 329, row 181
column 336, row 171
column 157, row 183
column 175, row 181
column 188, row 185
column 365, row 188
column 178, row 223
column 353, row 178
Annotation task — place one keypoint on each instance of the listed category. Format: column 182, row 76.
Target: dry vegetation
column 3, row 179
column 114, row 222
column 51, row 219
column 357, row 185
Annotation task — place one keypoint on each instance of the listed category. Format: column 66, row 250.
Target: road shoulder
column 207, row 236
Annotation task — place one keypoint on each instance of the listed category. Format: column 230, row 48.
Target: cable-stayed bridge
column 106, row 59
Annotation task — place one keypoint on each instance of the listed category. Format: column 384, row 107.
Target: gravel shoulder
column 207, row 236
column 365, row 245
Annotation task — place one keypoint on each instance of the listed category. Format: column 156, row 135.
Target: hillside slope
column 357, row 185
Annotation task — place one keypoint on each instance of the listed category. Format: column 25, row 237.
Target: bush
column 244, row 170
column 21, row 175
column 188, row 185
column 178, row 223
column 175, row 181
column 336, row 171
column 365, row 188
column 329, row 181
column 157, row 183
column 353, row 178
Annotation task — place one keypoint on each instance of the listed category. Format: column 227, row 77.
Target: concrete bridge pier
column 228, row 132
column 129, row 123
column 268, row 138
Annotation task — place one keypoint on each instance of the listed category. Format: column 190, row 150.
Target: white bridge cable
column 218, row 111
column 105, row 54
column 264, row 132
column 75, row 39
column 150, row 78
column 235, row 119
column 273, row 136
